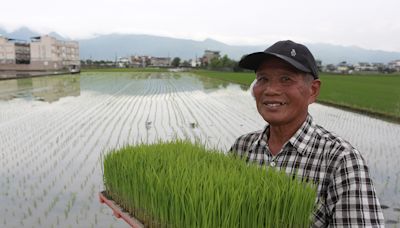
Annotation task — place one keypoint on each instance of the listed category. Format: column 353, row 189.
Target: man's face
column 282, row 93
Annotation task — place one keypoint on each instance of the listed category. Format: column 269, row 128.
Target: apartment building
column 42, row 53
column 51, row 54
column 208, row 56
column 7, row 50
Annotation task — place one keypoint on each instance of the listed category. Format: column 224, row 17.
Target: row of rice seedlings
column 180, row 184
column 45, row 130
column 180, row 108
column 53, row 139
column 207, row 113
column 43, row 176
column 83, row 159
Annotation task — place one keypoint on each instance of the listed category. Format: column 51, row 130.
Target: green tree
column 224, row 63
column 176, row 61
column 186, row 64
column 215, row 63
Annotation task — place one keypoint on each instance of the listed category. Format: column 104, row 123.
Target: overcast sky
column 371, row 24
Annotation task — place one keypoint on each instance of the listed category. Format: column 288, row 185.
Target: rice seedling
column 70, row 203
column 180, row 184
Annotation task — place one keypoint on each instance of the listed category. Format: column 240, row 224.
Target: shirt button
column 272, row 164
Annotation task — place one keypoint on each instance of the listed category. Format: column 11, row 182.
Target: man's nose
column 273, row 87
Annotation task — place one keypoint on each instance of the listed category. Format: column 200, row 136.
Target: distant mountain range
column 111, row 46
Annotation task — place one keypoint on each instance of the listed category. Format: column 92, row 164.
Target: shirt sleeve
column 351, row 197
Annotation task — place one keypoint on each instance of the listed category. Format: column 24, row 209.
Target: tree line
column 223, row 63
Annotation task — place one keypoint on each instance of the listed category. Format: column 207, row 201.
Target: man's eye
column 286, row 78
column 261, row 79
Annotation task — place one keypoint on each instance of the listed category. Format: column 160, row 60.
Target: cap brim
column 254, row 60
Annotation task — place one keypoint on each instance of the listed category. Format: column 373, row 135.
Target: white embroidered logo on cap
column 293, row 52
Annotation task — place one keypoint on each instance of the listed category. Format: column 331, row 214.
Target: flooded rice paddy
column 53, row 131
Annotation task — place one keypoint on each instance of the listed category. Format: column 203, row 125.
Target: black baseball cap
column 293, row 53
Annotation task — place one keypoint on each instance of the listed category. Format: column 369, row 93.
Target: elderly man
column 286, row 83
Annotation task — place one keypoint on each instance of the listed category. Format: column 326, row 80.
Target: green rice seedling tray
column 119, row 212
column 183, row 184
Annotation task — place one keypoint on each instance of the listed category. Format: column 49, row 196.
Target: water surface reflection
column 49, row 88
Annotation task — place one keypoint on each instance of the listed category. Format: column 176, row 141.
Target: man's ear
column 314, row 90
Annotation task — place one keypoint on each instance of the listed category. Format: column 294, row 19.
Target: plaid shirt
column 346, row 196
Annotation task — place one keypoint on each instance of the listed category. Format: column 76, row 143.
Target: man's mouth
column 274, row 104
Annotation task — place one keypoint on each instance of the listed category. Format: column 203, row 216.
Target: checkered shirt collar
column 300, row 140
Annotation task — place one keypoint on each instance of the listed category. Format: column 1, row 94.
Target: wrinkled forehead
column 272, row 64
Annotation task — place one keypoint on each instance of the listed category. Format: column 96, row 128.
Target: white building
column 42, row 53
column 7, row 51
column 195, row 62
column 160, row 61
column 395, row 65
column 49, row 53
column 123, row 62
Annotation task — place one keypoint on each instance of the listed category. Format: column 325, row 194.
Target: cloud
column 365, row 23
